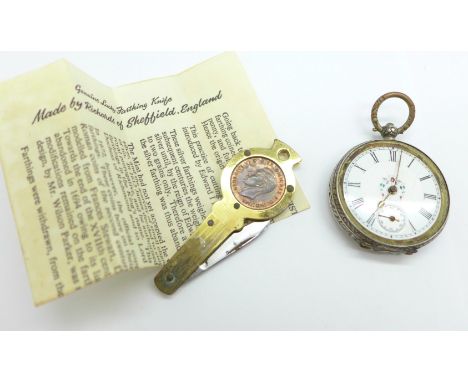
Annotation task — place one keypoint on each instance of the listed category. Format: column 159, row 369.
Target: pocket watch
column 389, row 196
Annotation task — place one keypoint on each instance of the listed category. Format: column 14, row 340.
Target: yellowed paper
column 103, row 180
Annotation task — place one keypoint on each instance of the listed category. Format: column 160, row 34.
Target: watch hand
column 382, row 202
column 392, row 189
column 398, row 168
column 391, row 218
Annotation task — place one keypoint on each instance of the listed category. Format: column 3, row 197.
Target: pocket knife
column 257, row 185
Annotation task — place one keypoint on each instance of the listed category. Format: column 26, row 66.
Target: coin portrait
column 258, row 183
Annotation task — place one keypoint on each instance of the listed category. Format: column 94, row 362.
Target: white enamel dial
column 392, row 193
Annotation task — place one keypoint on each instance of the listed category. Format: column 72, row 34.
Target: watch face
column 392, row 191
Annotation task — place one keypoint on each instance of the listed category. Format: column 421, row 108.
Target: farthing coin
column 258, row 183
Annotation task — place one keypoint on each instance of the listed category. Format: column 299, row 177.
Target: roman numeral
column 424, row 178
column 410, row 163
column 426, row 214
column 429, row 196
column 357, row 203
column 371, row 220
column 392, row 155
column 354, row 184
column 412, row 226
column 374, row 157
column 360, row 168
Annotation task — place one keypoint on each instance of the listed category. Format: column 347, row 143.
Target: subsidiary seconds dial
column 392, row 192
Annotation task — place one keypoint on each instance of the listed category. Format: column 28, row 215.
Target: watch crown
column 390, row 131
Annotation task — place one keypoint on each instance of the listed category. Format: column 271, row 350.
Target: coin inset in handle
column 258, row 183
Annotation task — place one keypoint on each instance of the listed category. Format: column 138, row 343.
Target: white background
column 303, row 273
